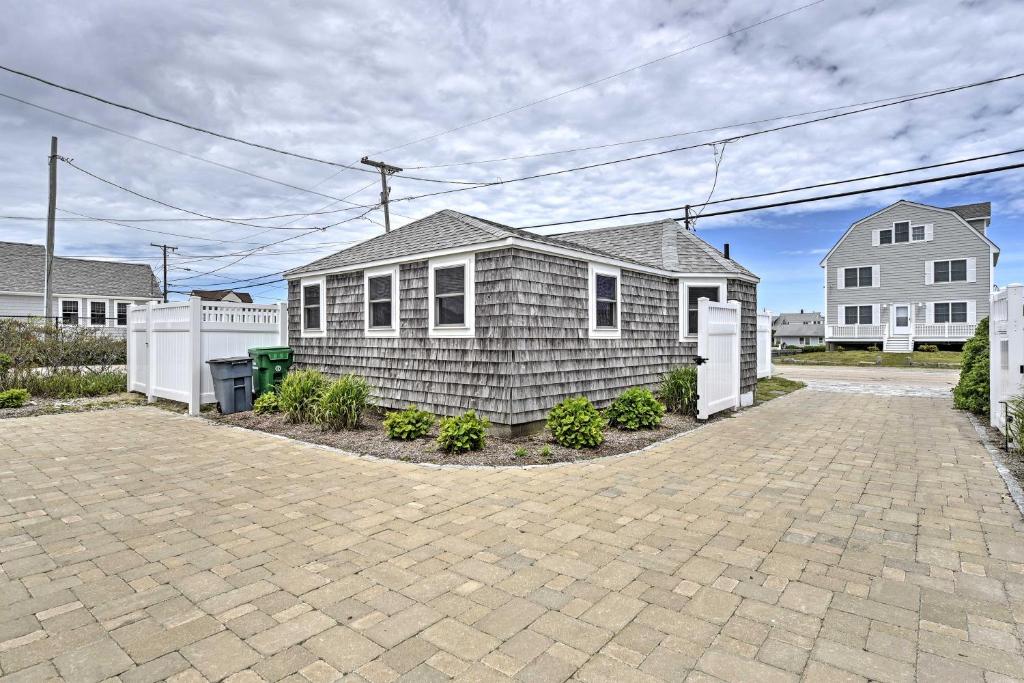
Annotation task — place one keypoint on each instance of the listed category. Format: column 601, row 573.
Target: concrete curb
column 996, row 453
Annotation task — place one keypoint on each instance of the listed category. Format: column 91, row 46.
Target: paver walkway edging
column 1012, row 485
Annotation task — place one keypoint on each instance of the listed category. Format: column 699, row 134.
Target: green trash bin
column 269, row 366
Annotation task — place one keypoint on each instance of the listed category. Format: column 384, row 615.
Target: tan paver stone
column 220, row 655
column 343, row 648
column 291, row 632
column 94, row 662
column 460, row 640
column 735, row 669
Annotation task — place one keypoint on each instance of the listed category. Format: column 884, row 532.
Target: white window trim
column 972, row 311
column 393, row 330
column 595, row 332
column 876, row 277
column 971, row 270
column 303, row 330
column 469, row 328
column 60, row 309
column 685, row 334
column 88, row 311
column 876, row 314
column 929, row 234
column 127, row 312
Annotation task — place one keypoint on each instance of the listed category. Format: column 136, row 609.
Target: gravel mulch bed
column 370, row 439
column 51, row 406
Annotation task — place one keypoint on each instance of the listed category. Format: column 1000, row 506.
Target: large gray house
column 85, row 291
column 453, row 312
column 908, row 274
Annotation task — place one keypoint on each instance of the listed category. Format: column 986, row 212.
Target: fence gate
column 718, row 348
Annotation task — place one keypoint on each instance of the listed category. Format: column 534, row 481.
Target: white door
column 901, row 318
column 718, row 351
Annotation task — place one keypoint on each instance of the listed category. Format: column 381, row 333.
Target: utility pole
column 687, row 221
column 164, row 248
column 51, row 217
column 385, row 191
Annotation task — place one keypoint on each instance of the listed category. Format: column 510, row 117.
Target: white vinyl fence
column 169, row 344
column 764, row 344
column 1006, row 351
column 718, row 348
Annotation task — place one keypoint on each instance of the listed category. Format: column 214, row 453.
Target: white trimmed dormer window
column 858, row 276
column 605, row 301
column 903, row 232
column 313, row 296
column 381, row 294
column 452, row 301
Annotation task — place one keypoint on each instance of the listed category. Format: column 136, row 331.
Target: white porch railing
column 952, row 331
column 867, row 332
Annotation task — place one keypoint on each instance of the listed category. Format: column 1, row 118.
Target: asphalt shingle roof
column 219, row 294
column 798, row 330
column 21, row 270
column 972, row 211
column 661, row 244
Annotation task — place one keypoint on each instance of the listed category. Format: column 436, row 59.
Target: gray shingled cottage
column 452, row 312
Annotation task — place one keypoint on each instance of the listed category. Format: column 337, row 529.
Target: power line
column 156, row 232
column 850, row 193
column 719, row 141
column 603, row 79
column 655, row 138
column 223, row 136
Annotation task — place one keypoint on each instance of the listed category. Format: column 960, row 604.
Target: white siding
column 19, row 305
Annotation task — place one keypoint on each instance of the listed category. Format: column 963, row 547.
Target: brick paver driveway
column 823, row 536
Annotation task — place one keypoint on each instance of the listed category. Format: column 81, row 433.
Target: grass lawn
column 860, row 357
column 773, row 387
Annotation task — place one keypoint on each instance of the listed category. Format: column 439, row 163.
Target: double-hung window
column 69, row 311
column 858, row 277
column 951, row 312
column 98, row 313
column 121, row 311
column 901, row 232
column 381, row 287
column 858, row 315
column 451, row 294
column 605, row 301
column 950, row 271
column 313, row 299
column 690, row 294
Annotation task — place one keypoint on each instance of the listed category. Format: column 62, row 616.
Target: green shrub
column 576, row 423
column 406, row 425
column 1015, row 422
column 813, row 348
column 13, row 398
column 299, row 393
column 521, row 452
column 266, row 403
column 74, row 384
column 928, row 348
column 972, row 391
column 463, row 433
column 341, row 403
column 679, row 390
column 635, row 408
column 545, row 452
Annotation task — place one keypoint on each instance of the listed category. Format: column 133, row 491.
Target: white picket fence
column 169, row 344
column 1006, row 351
column 764, row 344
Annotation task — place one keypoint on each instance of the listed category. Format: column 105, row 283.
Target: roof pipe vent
column 725, row 252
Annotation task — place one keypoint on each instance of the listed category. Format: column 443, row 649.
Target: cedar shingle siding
column 531, row 347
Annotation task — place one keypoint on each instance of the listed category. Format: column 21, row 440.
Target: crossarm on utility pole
column 385, row 191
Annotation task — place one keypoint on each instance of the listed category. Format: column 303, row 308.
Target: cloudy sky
column 339, row 80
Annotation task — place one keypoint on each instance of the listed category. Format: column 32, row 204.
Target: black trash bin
column 232, row 383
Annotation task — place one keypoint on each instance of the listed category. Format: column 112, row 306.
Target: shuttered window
column 885, row 237
column 606, row 289
column 380, row 300
column 450, row 295
column 952, row 312
column 902, row 231
column 857, row 277
column 950, row 271
column 854, row 315
column 917, row 233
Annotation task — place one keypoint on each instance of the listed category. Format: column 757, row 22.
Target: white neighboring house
column 85, row 292
column 798, row 329
column 910, row 273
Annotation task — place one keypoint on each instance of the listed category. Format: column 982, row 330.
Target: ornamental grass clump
column 299, row 393
column 576, row 423
column 341, row 403
column 409, row 424
column 679, row 391
column 466, row 432
column 634, row 409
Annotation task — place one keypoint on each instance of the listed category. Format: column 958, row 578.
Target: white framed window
column 952, row 312
column 451, row 285
column 903, row 232
column 858, row 315
column 70, row 311
column 604, row 301
column 954, row 270
column 313, row 297
column 380, row 311
column 97, row 312
column 690, row 292
column 859, row 276
column 121, row 313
